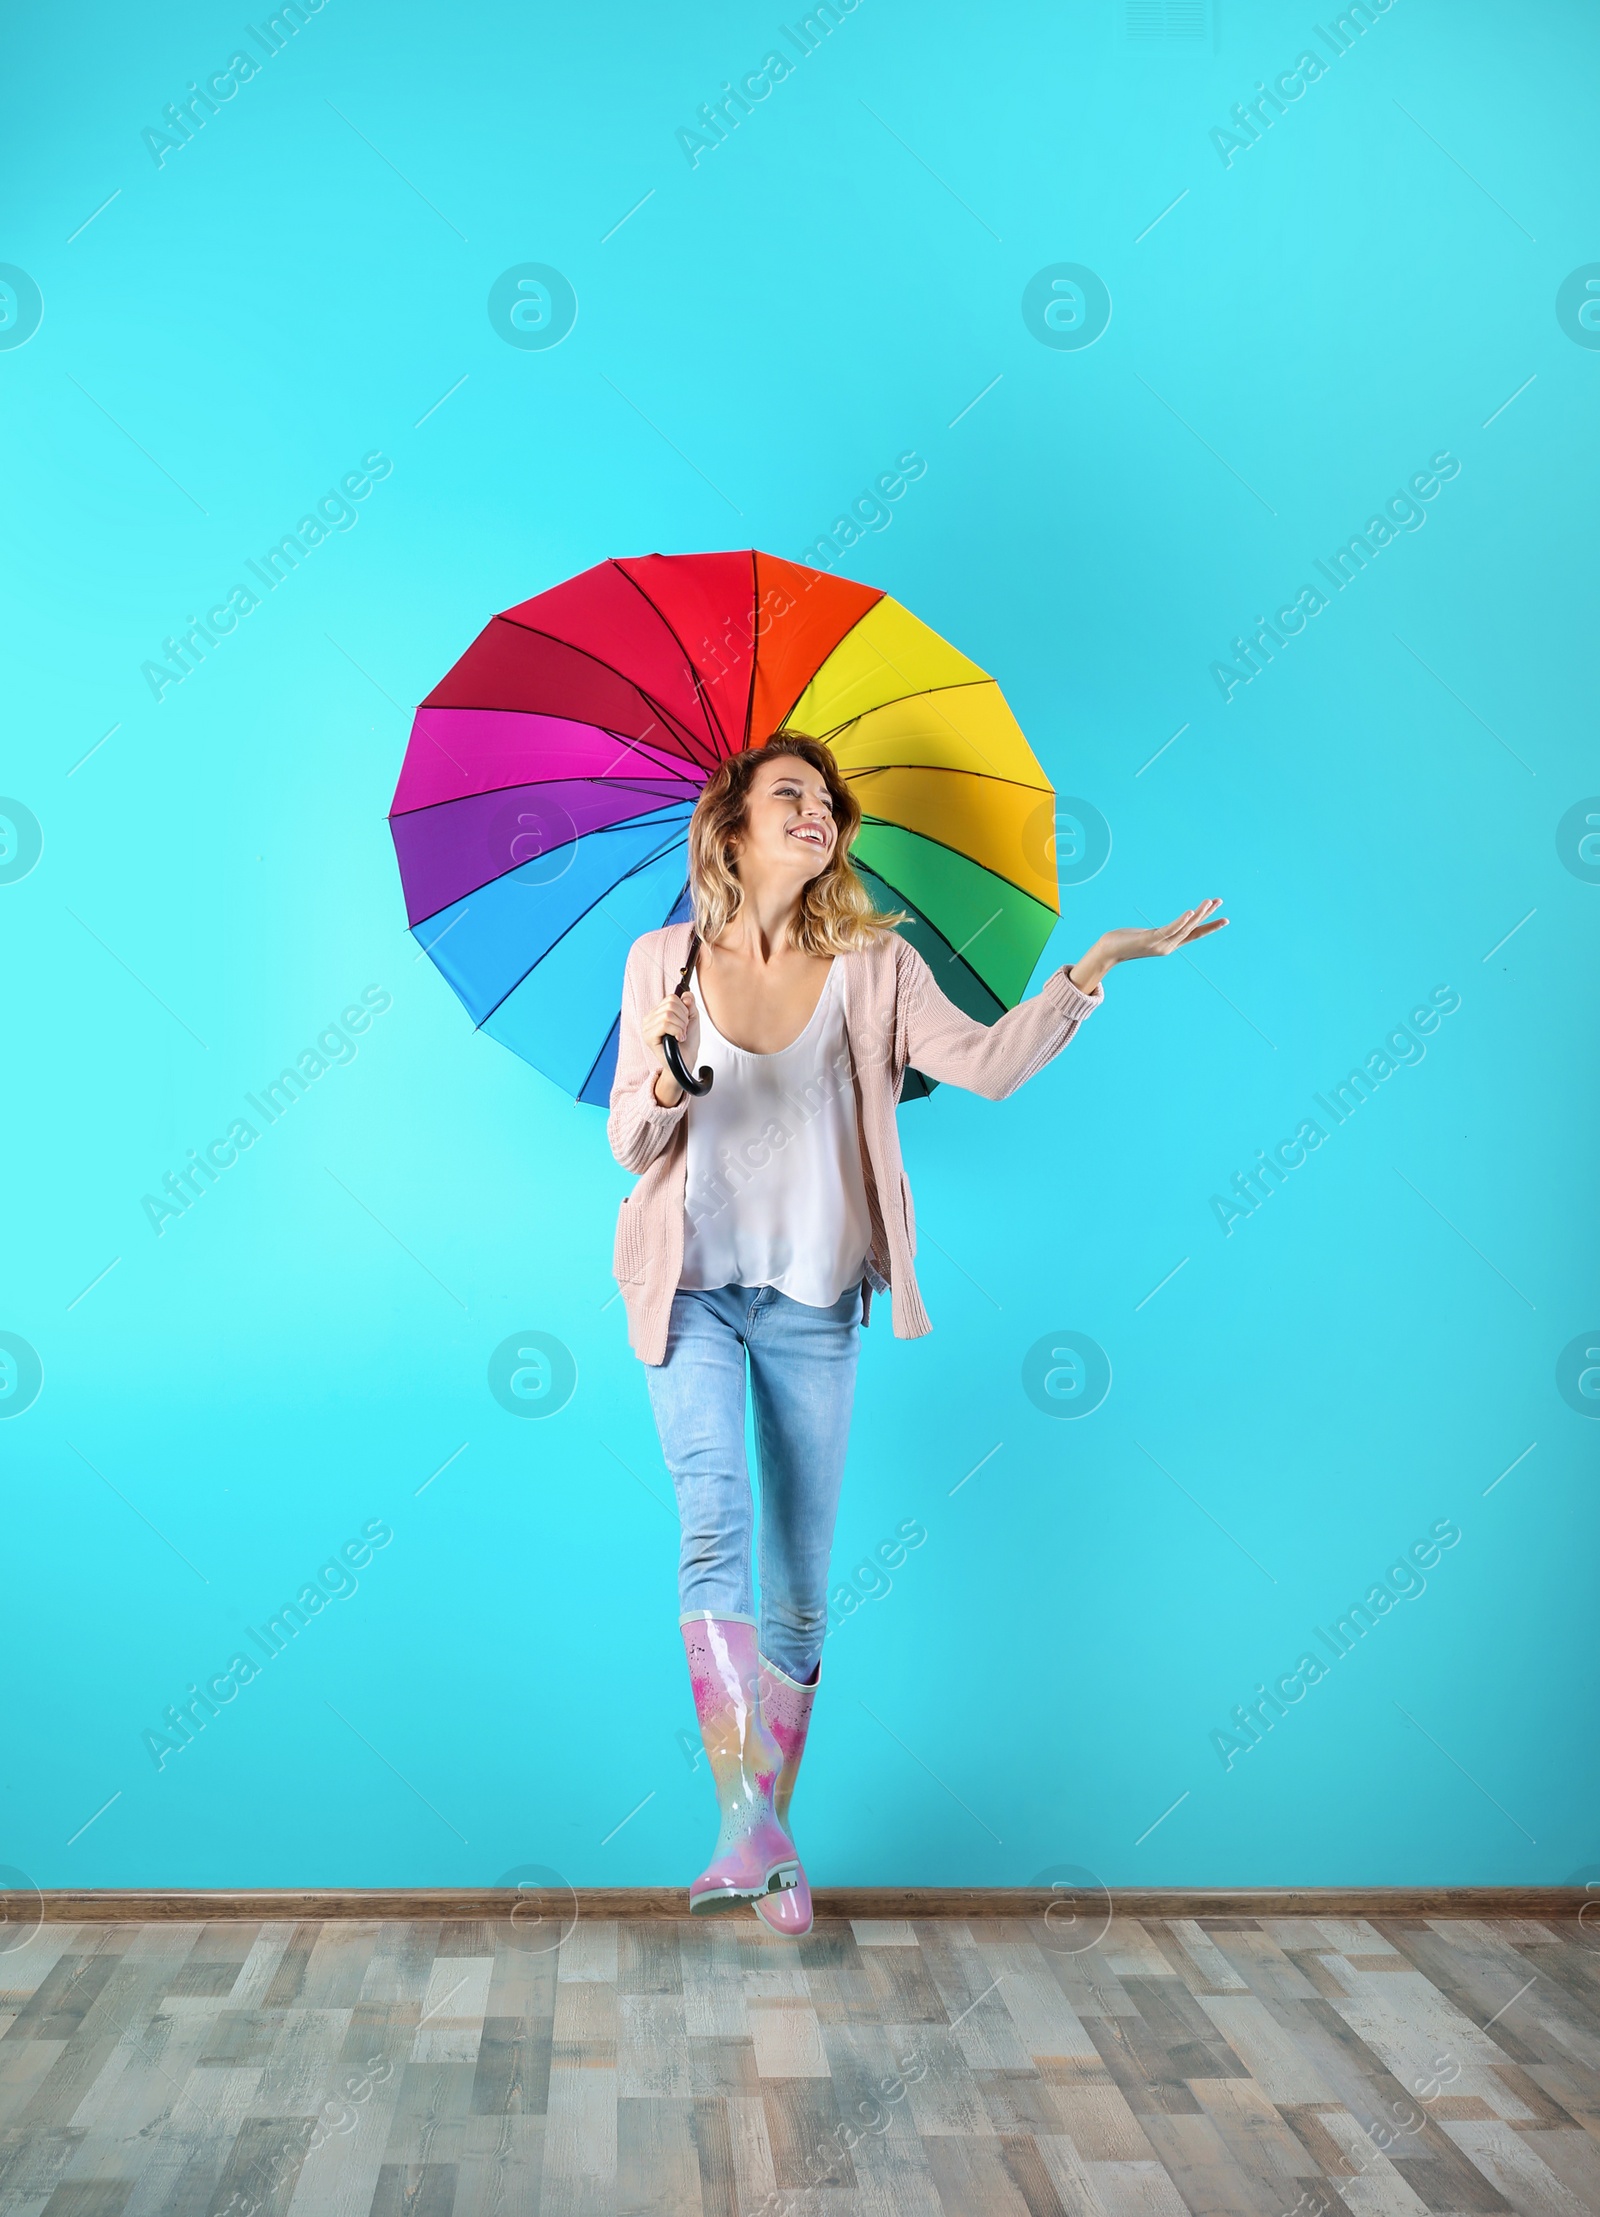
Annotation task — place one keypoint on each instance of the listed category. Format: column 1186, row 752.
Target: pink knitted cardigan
column 895, row 1017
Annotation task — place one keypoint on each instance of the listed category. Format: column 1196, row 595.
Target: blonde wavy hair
column 836, row 913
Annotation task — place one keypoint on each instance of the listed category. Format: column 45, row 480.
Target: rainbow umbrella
column 541, row 816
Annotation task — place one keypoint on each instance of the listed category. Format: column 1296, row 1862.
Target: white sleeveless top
column 774, row 1194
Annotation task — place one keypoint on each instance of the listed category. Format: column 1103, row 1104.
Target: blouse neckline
column 770, row 1054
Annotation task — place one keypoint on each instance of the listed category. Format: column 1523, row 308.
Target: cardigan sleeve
column 943, row 1042
column 638, row 1126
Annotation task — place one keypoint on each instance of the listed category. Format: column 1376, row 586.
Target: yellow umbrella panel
column 958, row 813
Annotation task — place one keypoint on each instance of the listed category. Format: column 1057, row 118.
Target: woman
column 767, row 1212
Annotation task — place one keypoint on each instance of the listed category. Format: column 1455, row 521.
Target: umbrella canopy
column 542, row 812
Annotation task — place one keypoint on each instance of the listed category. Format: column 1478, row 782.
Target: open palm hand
column 1129, row 943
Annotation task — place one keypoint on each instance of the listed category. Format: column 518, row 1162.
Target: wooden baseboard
column 159, row 1904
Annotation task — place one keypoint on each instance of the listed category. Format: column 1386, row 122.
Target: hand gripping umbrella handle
column 669, row 1045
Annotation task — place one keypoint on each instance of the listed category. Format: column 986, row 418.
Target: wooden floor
column 1234, row 2066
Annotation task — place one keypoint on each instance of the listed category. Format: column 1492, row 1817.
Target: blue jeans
column 802, row 1375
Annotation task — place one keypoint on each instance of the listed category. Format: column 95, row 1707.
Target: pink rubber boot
column 786, row 1712
column 754, row 1851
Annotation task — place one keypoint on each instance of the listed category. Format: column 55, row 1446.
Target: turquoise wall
column 1303, row 1393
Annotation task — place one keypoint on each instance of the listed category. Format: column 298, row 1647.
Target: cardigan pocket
column 627, row 1249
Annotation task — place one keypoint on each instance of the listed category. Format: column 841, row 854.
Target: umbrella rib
column 921, row 692
column 530, row 785
column 621, row 823
column 665, row 714
column 615, row 1026
column 755, row 606
column 984, row 677
column 659, row 810
column 943, row 769
column 879, row 594
column 650, row 755
column 884, row 823
column 701, row 693
column 567, row 929
column 927, row 692
column 714, row 728
column 916, row 692
column 660, row 713
column 617, row 1019
column 954, row 953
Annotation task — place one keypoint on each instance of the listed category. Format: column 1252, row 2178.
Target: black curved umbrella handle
column 682, row 1074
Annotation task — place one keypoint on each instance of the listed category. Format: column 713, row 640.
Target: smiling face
column 788, row 827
